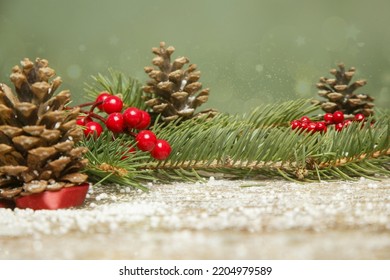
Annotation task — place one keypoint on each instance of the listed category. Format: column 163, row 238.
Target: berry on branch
column 146, row 140
column 359, row 117
column 83, row 120
column 93, row 129
column 328, row 118
column 115, row 122
column 320, row 127
column 145, row 120
column 100, row 99
column 161, row 150
column 112, row 104
column 132, row 117
column 339, row 126
column 295, row 124
column 338, row 117
column 305, row 119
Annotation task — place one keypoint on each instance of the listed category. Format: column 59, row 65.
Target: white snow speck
column 183, row 84
column 57, row 125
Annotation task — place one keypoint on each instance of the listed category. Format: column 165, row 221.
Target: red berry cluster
column 130, row 121
column 337, row 119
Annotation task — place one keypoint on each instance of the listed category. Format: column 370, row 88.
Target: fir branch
column 245, row 147
column 260, row 144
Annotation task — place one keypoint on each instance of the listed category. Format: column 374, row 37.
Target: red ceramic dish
column 52, row 200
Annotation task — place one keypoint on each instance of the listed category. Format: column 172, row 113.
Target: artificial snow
column 213, row 207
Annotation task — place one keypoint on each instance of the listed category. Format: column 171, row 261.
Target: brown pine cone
column 174, row 91
column 37, row 133
column 340, row 93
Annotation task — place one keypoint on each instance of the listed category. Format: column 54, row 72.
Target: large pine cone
column 174, row 92
column 37, row 133
column 340, row 94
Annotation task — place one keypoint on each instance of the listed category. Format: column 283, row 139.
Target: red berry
column 146, row 140
column 145, row 120
column 115, row 122
column 338, row 117
column 130, row 151
column 295, row 124
column 112, row 104
column 93, row 128
column 132, row 117
column 305, row 119
column 304, row 125
column 328, row 118
column 161, row 150
column 339, row 126
column 83, row 120
column 311, row 127
column 100, row 98
column 321, row 127
column 347, row 122
column 359, row 117
column 80, row 121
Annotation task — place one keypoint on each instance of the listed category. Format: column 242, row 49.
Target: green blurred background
column 250, row 52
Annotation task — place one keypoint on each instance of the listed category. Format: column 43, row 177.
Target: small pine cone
column 173, row 91
column 340, row 93
column 38, row 133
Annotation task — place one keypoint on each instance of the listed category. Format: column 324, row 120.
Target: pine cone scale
column 57, row 166
column 34, row 130
column 24, row 143
column 11, row 131
column 75, row 178
column 4, row 149
column 26, row 113
column 9, row 192
column 35, row 186
column 13, row 170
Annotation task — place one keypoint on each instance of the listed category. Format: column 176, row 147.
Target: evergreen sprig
column 256, row 145
column 109, row 160
column 117, row 83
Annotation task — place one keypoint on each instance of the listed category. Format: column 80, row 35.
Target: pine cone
column 37, row 133
column 174, row 92
column 340, row 93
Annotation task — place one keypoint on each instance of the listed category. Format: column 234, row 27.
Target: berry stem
column 87, row 104
column 133, row 134
column 93, row 115
column 94, row 105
